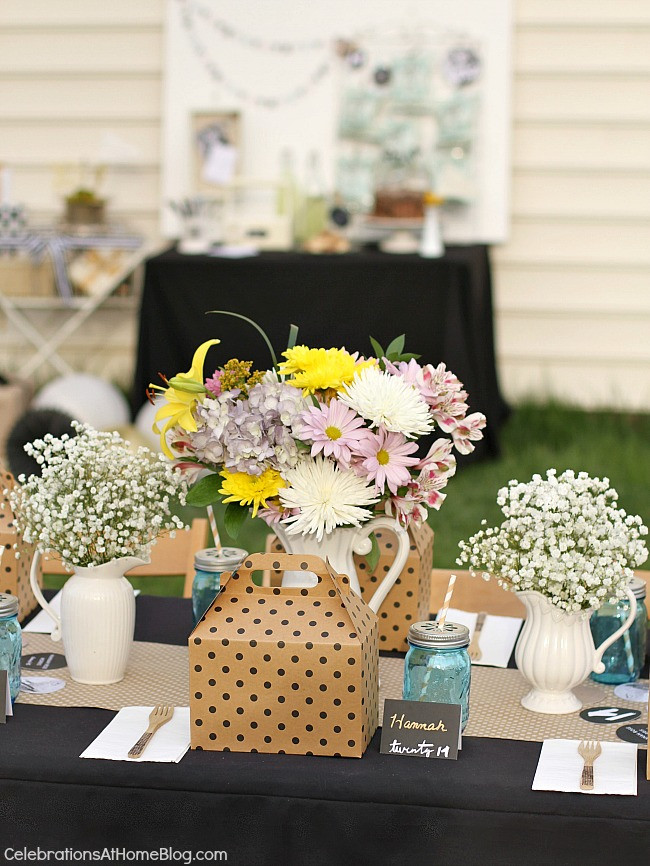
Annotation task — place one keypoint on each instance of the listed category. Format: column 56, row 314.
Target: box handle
column 293, row 562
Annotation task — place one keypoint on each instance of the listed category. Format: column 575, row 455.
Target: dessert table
column 271, row 809
column 444, row 306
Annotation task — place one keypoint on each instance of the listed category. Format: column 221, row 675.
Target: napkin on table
column 168, row 744
column 560, row 768
column 498, row 635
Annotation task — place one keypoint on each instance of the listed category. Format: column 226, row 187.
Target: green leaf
column 234, row 518
column 396, row 346
column 255, row 325
column 372, row 558
column 293, row 336
column 408, row 355
column 205, row 491
column 377, row 349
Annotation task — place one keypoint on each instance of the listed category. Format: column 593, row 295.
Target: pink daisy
column 335, row 430
column 384, row 459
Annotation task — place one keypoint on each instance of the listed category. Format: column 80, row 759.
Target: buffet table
column 272, row 809
column 444, row 306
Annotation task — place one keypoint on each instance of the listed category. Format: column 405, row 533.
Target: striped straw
column 213, row 527
column 628, row 651
column 442, row 615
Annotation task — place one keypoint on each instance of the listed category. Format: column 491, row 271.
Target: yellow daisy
column 321, row 369
column 251, row 489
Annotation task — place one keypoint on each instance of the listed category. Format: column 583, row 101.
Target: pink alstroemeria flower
column 335, row 430
column 385, row 459
column 440, row 458
column 426, row 488
column 406, row 511
column 468, row 431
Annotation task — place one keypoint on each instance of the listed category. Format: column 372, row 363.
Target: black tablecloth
column 444, row 306
column 285, row 809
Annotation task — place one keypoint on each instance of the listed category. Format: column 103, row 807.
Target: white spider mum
column 388, row 401
column 325, row 496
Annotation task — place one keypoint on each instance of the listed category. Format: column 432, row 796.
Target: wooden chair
column 473, row 594
column 169, row 557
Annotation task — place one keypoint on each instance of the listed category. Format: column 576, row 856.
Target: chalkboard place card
column 420, row 729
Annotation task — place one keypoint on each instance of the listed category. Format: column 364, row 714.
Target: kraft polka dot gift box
column 408, row 600
column 14, row 572
column 285, row 669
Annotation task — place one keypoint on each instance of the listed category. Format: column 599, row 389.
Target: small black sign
column 609, row 715
column 3, row 696
column 633, row 734
column 421, row 730
column 43, row 661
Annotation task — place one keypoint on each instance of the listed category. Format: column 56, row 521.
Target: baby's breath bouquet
column 96, row 499
column 564, row 537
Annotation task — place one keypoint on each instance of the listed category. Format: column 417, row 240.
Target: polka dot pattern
column 308, row 686
column 14, row 573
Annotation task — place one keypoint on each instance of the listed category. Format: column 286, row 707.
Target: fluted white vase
column 97, row 619
column 339, row 546
column 555, row 652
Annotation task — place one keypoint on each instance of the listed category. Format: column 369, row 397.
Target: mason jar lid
column 638, row 587
column 8, row 605
column 430, row 636
column 218, row 559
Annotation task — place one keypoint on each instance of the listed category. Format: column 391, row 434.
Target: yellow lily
column 181, row 396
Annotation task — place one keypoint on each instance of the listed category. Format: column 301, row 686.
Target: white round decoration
column 86, row 398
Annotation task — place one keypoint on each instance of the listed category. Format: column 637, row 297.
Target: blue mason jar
column 437, row 667
column 11, row 642
column 208, row 566
column 624, row 659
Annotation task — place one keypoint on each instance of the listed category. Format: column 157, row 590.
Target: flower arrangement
column 564, row 537
column 96, row 500
column 325, row 438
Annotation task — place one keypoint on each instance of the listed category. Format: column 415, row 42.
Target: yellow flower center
column 333, row 433
column 382, row 457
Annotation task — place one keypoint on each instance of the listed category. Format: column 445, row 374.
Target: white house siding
column 572, row 305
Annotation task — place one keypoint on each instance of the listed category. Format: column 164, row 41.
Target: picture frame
column 216, row 148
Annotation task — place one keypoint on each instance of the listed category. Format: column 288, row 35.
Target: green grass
column 537, row 438
column 534, row 439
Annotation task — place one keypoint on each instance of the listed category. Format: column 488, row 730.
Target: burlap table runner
column 158, row 674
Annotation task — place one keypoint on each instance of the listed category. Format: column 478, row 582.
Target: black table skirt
column 285, row 809
column 444, row 306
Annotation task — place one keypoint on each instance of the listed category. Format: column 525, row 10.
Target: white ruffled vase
column 97, row 619
column 555, row 652
column 339, row 546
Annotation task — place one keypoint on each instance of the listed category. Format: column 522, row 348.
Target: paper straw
column 442, row 615
column 628, row 651
column 213, row 527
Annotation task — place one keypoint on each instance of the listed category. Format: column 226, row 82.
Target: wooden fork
column 474, row 650
column 159, row 716
column 588, row 750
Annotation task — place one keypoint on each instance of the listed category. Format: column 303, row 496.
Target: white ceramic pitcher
column 97, row 619
column 339, row 546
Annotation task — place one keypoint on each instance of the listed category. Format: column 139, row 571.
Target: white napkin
column 498, row 635
column 43, row 623
column 560, row 768
column 168, row 744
